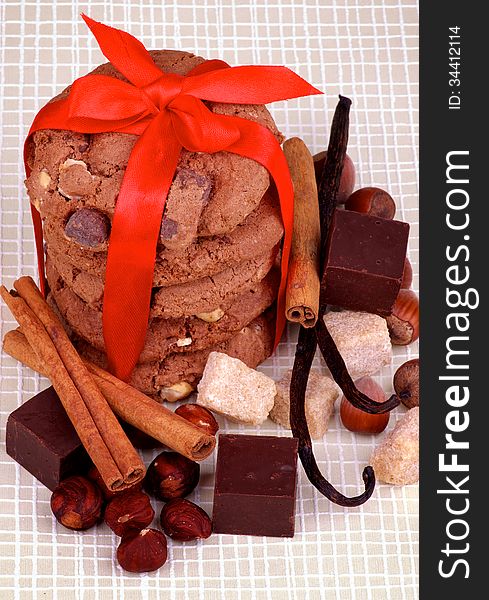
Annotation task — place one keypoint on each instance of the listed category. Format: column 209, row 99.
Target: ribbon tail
column 125, row 52
column 247, row 85
column 259, row 144
column 37, row 225
column 38, row 238
column 132, row 248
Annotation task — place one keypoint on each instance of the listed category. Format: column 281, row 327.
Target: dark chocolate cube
column 255, row 485
column 41, row 438
column 365, row 262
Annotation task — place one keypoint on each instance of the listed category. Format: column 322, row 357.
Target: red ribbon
column 167, row 113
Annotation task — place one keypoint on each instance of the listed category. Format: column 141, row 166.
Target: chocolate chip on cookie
column 188, row 196
column 88, row 227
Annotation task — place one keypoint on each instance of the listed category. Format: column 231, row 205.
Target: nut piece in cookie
column 211, row 317
column 321, row 395
column 231, row 388
column 75, row 180
column 178, row 391
column 44, row 179
column 188, row 195
column 183, row 342
column 88, row 227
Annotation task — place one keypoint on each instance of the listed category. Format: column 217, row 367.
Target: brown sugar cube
column 396, row 460
column 321, row 394
column 362, row 339
column 231, row 388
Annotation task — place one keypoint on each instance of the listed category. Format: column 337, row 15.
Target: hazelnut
column 347, row 182
column 403, row 323
column 183, row 520
column 407, row 275
column 406, row 383
column 211, row 317
column 129, row 511
column 359, row 421
column 88, row 227
column 372, row 201
column 77, row 503
column 200, row 416
column 44, row 179
column 142, row 551
column 177, row 391
column 171, row 475
column 182, row 342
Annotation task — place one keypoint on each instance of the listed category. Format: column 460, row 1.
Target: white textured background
column 367, row 50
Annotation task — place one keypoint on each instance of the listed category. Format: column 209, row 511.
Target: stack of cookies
column 216, row 275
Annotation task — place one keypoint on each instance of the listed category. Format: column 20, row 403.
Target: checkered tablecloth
column 367, row 50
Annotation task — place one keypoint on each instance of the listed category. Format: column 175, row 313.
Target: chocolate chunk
column 88, row 227
column 169, row 229
column 41, row 438
column 83, row 147
column 188, row 178
column 188, row 195
column 255, row 485
column 365, row 262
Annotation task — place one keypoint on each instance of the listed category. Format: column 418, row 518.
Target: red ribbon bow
column 168, row 114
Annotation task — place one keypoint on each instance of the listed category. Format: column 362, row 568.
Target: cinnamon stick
column 132, row 406
column 123, row 452
column 302, row 294
column 71, row 399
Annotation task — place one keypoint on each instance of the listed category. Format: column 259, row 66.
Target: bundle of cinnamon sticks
column 90, row 395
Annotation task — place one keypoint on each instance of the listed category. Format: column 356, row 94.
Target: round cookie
column 199, row 296
column 209, row 293
column 85, row 271
column 75, row 171
column 181, row 372
column 165, row 336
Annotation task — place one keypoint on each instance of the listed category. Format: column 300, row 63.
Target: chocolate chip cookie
column 165, row 336
column 84, row 270
column 176, row 376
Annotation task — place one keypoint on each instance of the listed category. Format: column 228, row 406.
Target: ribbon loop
column 123, row 103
